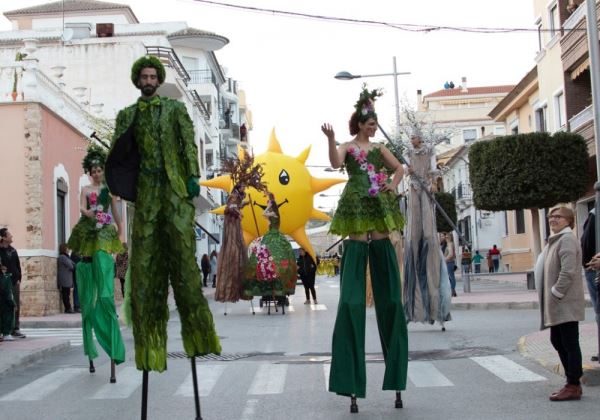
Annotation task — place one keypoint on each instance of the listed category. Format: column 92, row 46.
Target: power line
column 408, row 27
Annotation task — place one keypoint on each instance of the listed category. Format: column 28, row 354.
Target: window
column 499, row 130
column 553, row 20
column 505, row 223
column 519, row 221
column 469, row 135
column 559, row 106
column 540, row 119
column 538, row 24
column 61, row 210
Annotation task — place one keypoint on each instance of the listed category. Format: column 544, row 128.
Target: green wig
column 365, row 106
column 95, row 156
column 145, row 62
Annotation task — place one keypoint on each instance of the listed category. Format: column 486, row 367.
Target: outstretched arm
column 336, row 155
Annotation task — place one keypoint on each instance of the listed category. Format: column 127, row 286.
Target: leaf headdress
column 365, row 106
column 95, row 156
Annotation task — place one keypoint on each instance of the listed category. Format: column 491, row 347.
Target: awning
column 580, row 69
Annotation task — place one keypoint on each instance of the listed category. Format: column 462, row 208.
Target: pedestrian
column 121, row 266
column 7, row 305
column 336, row 264
column 307, row 270
column 588, row 250
column 489, row 261
column 10, row 259
column 465, row 261
column 450, row 258
column 367, row 212
column 495, row 253
column 213, row 267
column 64, row 277
column 76, row 259
column 205, row 266
column 154, row 162
column 95, row 238
column 562, row 304
column 426, row 287
column 477, row 261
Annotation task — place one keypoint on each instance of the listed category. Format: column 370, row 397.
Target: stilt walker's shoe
column 353, row 405
column 398, row 403
column 113, row 376
column 92, row 368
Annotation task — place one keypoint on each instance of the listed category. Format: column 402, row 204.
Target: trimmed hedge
column 448, row 203
column 534, row 170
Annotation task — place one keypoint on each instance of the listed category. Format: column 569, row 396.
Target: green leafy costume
column 95, row 280
column 163, row 238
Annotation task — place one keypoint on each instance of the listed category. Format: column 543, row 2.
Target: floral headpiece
column 96, row 156
column 365, row 106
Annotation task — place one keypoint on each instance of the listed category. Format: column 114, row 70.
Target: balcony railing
column 463, row 192
column 202, row 76
column 578, row 120
column 199, row 104
column 575, row 17
column 168, row 57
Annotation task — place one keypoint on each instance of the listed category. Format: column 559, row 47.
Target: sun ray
column 319, row 215
column 248, row 237
column 304, row 155
column 299, row 235
column 222, row 182
column 321, row 184
column 218, row 210
column 274, row 145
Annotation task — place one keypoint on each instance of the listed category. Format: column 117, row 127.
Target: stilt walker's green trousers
column 348, row 369
column 95, row 286
column 162, row 250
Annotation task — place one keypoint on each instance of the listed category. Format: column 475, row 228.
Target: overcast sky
column 286, row 64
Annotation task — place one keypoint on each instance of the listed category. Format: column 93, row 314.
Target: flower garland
column 377, row 179
column 265, row 266
column 102, row 218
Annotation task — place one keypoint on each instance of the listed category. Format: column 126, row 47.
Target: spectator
column 122, row 263
column 205, row 266
column 477, row 261
column 465, row 261
column 64, row 277
column 7, row 305
column 10, row 259
column 307, row 270
column 490, row 263
column 588, row 250
column 75, row 258
column 558, row 275
column 450, row 257
column 213, row 267
column 495, row 253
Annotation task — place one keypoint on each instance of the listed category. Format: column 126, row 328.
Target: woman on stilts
column 95, row 238
column 367, row 212
column 426, row 285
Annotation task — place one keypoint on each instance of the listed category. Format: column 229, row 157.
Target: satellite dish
column 67, row 34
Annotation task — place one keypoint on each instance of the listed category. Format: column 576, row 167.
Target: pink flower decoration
column 93, row 198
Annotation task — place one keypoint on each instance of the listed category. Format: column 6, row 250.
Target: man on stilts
column 153, row 162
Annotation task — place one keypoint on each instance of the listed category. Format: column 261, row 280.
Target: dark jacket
column 64, row 271
column 205, row 265
column 306, row 267
column 588, row 239
column 10, row 259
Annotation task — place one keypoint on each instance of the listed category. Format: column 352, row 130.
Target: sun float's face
column 293, row 187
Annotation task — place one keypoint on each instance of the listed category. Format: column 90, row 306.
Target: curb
column 36, row 356
column 494, row 305
column 591, row 373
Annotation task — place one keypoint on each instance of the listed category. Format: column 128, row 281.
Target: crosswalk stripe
column 249, row 410
column 425, row 374
column 74, row 335
column 507, row 370
column 319, row 307
column 269, row 379
column 128, row 380
column 208, row 375
column 326, row 370
column 40, row 388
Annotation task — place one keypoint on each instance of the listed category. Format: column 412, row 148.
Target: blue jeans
column 590, row 277
column 450, row 265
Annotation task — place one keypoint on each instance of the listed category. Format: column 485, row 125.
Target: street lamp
column 344, row 75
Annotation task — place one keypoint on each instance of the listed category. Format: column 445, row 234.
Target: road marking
column 74, row 335
column 507, row 370
column 335, row 286
column 249, row 410
column 269, row 379
column 319, row 307
column 326, row 369
column 425, row 374
column 40, row 388
column 208, row 375
column 128, row 380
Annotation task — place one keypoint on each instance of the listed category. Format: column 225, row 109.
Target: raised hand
column 327, row 129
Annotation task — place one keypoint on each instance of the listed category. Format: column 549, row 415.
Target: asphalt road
column 275, row 367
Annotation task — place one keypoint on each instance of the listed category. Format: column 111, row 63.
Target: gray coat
column 559, row 280
column 64, row 272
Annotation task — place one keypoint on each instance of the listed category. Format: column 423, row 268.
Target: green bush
column 448, row 203
column 534, row 170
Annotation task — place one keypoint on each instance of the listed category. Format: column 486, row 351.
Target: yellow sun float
column 293, row 186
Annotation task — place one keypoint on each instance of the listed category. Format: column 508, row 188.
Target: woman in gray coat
column 64, row 274
column 560, row 289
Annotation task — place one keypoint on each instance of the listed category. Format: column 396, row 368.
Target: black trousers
column 204, row 277
column 309, row 287
column 565, row 339
column 214, row 280
column 66, row 297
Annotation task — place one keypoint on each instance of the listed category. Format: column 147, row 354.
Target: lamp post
column 344, row 75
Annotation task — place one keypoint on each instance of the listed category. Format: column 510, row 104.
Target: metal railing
column 202, row 76
column 199, row 104
column 168, row 57
column 578, row 120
